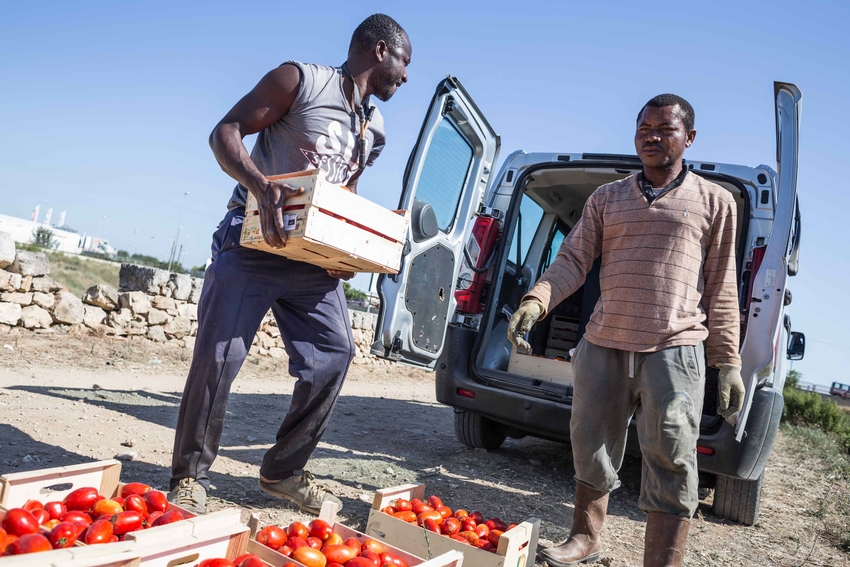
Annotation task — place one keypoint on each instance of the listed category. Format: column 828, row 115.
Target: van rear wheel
column 738, row 500
column 476, row 431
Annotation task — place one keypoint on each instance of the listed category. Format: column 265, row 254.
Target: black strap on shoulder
column 365, row 116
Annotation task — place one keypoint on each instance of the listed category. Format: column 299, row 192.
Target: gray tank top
column 319, row 131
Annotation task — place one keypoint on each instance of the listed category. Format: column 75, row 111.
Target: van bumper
column 550, row 419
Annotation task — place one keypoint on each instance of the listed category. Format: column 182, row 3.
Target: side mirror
column 796, row 346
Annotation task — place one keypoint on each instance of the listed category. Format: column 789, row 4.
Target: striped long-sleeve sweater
column 668, row 268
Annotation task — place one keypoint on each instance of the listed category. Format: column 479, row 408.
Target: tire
column 476, row 431
column 738, row 500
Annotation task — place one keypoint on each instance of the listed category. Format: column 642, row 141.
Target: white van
column 479, row 240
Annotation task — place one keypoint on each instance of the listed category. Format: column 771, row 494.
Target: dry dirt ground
column 67, row 398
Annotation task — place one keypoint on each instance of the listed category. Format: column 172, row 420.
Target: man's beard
column 385, row 84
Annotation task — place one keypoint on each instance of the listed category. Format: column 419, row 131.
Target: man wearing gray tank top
column 307, row 116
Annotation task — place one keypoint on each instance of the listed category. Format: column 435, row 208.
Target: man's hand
column 522, row 321
column 340, row 275
column 270, row 199
column 731, row 391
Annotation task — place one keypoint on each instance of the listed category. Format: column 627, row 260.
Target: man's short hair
column 672, row 100
column 375, row 28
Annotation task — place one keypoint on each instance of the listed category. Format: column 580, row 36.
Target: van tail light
column 705, row 450
column 465, row 393
column 758, row 257
column 474, row 266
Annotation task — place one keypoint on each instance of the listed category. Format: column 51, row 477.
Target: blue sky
column 106, row 107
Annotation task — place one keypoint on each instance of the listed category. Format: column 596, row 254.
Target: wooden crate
column 329, row 513
column 121, row 554
column 220, row 534
column 517, row 547
column 331, row 227
column 541, row 368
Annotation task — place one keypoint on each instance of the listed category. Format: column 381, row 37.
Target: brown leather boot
column 664, row 544
column 583, row 544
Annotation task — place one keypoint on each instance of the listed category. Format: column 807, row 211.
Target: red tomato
column 415, row 501
column 151, row 519
column 459, row 538
column 496, row 524
column 361, row 562
column 460, row 514
column 30, row 543
column 339, row 553
column 329, row 564
column 252, row 561
column 444, row 511
column 450, row 526
column 63, row 534
column 493, row 536
column 20, row 522
column 272, row 536
column 309, row 557
column 354, row 544
column 81, row 499
column 125, row 522
column 320, row 529
column 429, row 515
column 55, row 509
column 169, row 518
column 393, row 559
column 402, row 505
column 333, row 539
column 31, row 505
column 216, row 562
column 135, row 503
column 296, row 542
column 434, row 502
column 421, row 507
column 134, row 488
column 41, row 515
column 512, row 526
column 155, row 501
column 286, row 550
column 76, row 516
column 477, row 516
column 314, row 542
column 297, row 529
column 4, row 545
column 99, row 532
column 468, row 525
column 482, row 530
column 430, row 525
column 408, row 516
column 389, row 510
column 471, row 537
column 109, row 507
column 50, row 524
column 370, row 555
column 372, row 545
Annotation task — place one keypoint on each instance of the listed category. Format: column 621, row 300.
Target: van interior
column 551, row 204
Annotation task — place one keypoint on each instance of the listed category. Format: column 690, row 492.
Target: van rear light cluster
column 474, row 266
column 465, row 393
column 705, row 450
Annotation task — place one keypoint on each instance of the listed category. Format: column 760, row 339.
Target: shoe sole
column 282, row 496
column 555, row 563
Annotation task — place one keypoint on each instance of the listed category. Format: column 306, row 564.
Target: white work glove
column 730, row 391
column 522, row 320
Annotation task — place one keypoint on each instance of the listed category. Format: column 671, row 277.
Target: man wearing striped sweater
column 668, row 301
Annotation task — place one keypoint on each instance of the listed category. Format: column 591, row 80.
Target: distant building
column 22, row 230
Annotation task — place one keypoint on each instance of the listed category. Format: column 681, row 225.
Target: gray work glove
column 730, row 391
column 522, row 320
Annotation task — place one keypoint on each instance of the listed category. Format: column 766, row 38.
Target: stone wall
column 150, row 303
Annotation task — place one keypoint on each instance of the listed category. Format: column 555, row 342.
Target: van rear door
column 765, row 317
column 445, row 180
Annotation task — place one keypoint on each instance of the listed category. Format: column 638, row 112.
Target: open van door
column 759, row 350
column 444, row 183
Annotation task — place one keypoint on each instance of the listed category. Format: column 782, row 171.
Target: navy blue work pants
column 309, row 306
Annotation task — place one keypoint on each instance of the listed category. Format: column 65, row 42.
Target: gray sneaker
column 189, row 495
column 301, row 489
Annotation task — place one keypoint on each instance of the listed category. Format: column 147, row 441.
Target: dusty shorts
column 664, row 392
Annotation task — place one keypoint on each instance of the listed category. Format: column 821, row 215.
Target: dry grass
column 79, row 273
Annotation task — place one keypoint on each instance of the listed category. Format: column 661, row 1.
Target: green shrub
column 812, row 410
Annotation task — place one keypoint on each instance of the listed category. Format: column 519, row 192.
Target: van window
column 444, row 173
column 530, row 215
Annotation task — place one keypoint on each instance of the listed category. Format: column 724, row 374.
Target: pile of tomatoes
column 244, row 560
column 83, row 515
column 316, row 545
column 460, row 525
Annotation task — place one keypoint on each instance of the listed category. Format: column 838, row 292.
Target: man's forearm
column 232, row 155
